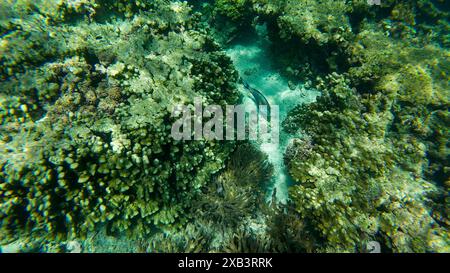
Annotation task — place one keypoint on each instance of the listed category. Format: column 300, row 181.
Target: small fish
column 258, row 97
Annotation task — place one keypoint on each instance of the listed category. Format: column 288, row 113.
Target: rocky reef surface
column 87, row 162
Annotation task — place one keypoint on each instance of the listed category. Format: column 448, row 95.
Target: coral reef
column 239, row 190
column 85, row 135
column 372, row 159
column 321, row 22
column 363, row 176
column 289, row 232
column 87, row 88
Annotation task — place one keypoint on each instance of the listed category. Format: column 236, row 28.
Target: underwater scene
column 226, row 126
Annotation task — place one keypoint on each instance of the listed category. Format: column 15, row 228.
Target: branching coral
column 362, row 179
column 235, row 10
column 317, row 21
column 104, row 154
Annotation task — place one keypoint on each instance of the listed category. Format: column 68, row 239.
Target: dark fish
column 258, row 97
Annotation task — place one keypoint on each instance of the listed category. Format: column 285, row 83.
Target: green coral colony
column 88, row 87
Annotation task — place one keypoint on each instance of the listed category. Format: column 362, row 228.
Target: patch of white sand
column 253, row 61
